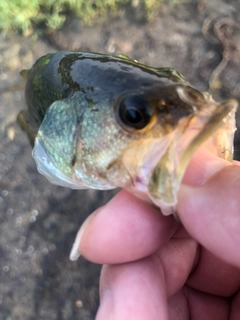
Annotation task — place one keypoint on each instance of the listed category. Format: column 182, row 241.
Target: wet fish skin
column 104, row 122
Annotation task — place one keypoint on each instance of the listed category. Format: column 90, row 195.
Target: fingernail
column 75, row 252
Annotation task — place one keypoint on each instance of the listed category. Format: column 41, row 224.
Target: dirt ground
column 38, row 221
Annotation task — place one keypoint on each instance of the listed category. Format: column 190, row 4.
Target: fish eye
column 134, row 112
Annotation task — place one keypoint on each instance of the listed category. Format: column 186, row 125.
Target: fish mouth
column 212, row 126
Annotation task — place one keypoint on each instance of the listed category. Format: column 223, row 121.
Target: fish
column 103, row 122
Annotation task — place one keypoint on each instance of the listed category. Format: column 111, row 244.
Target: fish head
column 133, row 127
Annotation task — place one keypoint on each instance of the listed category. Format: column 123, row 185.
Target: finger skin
column 125, row 229
column 214, row 276
column 235, row 308
column 195, row 305
column 178, row 306
column 139, row 290
column 211, row 213
column 202, row 166
column 204, row 306
column 177, row 258
column 134, row 290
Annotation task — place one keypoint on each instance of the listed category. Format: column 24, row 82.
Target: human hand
column 156, row 268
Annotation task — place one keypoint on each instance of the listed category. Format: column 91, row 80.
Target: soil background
column 39, row 221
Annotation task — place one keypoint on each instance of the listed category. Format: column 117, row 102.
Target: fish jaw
column 159, row 181
column 46, row 167
column 70, row 179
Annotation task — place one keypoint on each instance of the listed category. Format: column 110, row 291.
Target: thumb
column 211, row 213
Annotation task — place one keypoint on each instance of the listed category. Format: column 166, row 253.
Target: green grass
column 24, row 15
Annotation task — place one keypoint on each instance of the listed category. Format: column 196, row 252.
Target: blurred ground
column 38, row 221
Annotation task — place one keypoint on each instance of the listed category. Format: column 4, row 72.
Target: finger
column 125, row 229
column 235, row 309
column 135, row 290
column 204, row 306
column 214, row 276
column 178, row 306
column 178, row 258
column 192, row 304
column 211, row 213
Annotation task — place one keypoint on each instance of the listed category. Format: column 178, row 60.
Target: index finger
column 125, row 229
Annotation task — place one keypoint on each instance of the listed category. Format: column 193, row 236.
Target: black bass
column 103, row 122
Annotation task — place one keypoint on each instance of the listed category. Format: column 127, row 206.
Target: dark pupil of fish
column 134, row 112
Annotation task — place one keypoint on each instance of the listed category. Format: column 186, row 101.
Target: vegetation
column 24, row 15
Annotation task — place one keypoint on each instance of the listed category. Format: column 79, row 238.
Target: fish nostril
column 190, row 96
